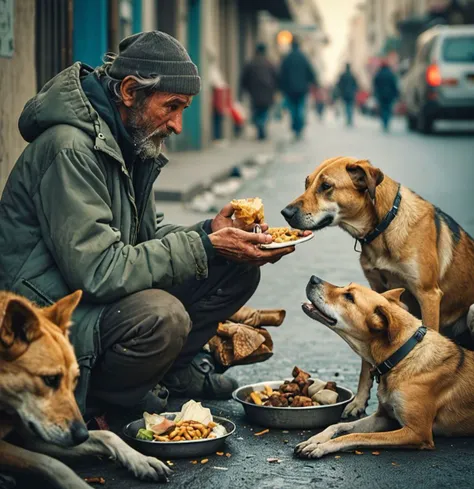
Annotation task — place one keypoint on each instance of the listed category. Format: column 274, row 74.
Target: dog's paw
column 147, row 468
column 309, row 449
column 355, row 409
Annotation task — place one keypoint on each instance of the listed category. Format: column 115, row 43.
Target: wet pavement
column 440, row 169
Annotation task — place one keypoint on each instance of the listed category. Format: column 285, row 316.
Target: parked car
column 440, row 81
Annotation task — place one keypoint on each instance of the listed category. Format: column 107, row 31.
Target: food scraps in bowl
column 284, row 234
column 302, row 391
column 194, row 422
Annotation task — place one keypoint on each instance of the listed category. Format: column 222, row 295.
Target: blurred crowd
column 294, row 86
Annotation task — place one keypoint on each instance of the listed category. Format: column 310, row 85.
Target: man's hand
column 241, row 246
column 224, row 220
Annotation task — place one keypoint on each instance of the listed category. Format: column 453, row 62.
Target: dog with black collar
column 425, row 380
column 404, row 241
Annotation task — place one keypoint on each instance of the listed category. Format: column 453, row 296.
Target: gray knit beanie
column 156, row 53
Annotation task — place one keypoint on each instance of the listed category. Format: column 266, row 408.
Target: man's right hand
column 242, row 246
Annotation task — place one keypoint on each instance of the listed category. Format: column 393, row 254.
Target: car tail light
column 451, row 82
column 433, row 76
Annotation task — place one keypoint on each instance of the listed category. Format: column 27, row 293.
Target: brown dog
column 38, row 373
column 421, row 249
column 427, row 392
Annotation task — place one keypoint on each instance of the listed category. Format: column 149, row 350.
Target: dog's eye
column 349, row 297
column 325, row 186
column 52, row 381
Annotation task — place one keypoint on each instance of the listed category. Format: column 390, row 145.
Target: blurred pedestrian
column 320, row 95
column 296, row 77
column 259, row 78
column 347, row 86
column 386, row 92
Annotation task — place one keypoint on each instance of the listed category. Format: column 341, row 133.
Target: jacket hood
column 60, row 101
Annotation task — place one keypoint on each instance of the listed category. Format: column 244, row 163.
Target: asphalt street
column 440, row 168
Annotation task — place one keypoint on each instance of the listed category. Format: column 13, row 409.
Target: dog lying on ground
column 428, row 391
column 38, row 374
column 406, row 242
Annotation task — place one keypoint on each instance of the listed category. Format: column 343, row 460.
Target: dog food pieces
column 302, row 391
column 283, row 235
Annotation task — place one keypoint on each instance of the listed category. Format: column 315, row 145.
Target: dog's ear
column 394, row 295
column 60, row 313
column 380, row 322
column 19, row 326
column 364, row 176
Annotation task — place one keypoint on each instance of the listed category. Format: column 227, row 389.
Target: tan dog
column 428, row 392
column 422, row 249
column 38, row 373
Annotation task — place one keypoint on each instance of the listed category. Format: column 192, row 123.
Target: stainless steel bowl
column 288, row 417
column 176, row 449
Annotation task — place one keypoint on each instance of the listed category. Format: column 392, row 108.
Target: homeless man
column 78, row 213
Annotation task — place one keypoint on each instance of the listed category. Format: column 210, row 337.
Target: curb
column 187, row 194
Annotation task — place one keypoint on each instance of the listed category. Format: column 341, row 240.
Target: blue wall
column 192, row 115
column 90, row 32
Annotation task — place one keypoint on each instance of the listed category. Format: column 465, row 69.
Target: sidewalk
column 190, row 173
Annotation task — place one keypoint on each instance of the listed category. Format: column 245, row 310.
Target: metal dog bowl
column 176, row 449
column 289, row 417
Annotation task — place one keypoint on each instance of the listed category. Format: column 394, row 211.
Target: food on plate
column 284, row 235
column 249, row 211
column 194, row 422
column 302, row 391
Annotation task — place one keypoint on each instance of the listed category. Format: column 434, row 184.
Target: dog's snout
column 288, row 212
column 79, row 432
column 315, row 280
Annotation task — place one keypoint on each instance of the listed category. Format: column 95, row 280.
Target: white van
column 440, row 81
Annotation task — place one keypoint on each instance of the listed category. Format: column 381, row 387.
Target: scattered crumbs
column 228, row 455
column 204, row 460
column 239, row 438
column 260, row 433
column 273, row 460
column 285, row 441
column 170, row 463
column 220, row 453
column 220, row 468
column 358, row 453
column 194, row 462
column 375, row 453
column 285, row 431
column 395, row 464
column 95, row 480
column 337, row 457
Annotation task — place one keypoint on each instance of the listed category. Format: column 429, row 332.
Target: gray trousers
column 150, row 332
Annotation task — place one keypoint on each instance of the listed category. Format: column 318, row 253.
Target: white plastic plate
column 274, row 246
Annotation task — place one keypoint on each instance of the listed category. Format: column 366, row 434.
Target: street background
column 217, row 158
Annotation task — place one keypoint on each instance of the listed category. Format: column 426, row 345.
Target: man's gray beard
column 145, row 147
column 142, row 137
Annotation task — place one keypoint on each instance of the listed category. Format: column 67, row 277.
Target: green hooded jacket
column 72, row 218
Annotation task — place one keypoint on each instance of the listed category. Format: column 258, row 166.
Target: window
column 459, row 49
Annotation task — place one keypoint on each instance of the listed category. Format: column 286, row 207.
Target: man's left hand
column 224, row 220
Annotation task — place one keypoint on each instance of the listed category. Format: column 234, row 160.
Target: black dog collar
column 399, row 355
column 384, row 223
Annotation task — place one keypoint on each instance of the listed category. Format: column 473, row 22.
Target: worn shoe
column 200, row 380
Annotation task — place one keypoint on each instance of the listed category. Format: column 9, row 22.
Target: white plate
column 275, row 246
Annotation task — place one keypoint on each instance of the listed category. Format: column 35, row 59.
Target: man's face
column 150, row 119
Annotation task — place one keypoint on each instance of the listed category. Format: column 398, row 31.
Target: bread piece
column 325, row 397
column 249, row 211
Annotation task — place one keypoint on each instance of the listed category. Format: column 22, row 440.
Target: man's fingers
column 264, row 227
column 257, row 238
column 227, row 210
